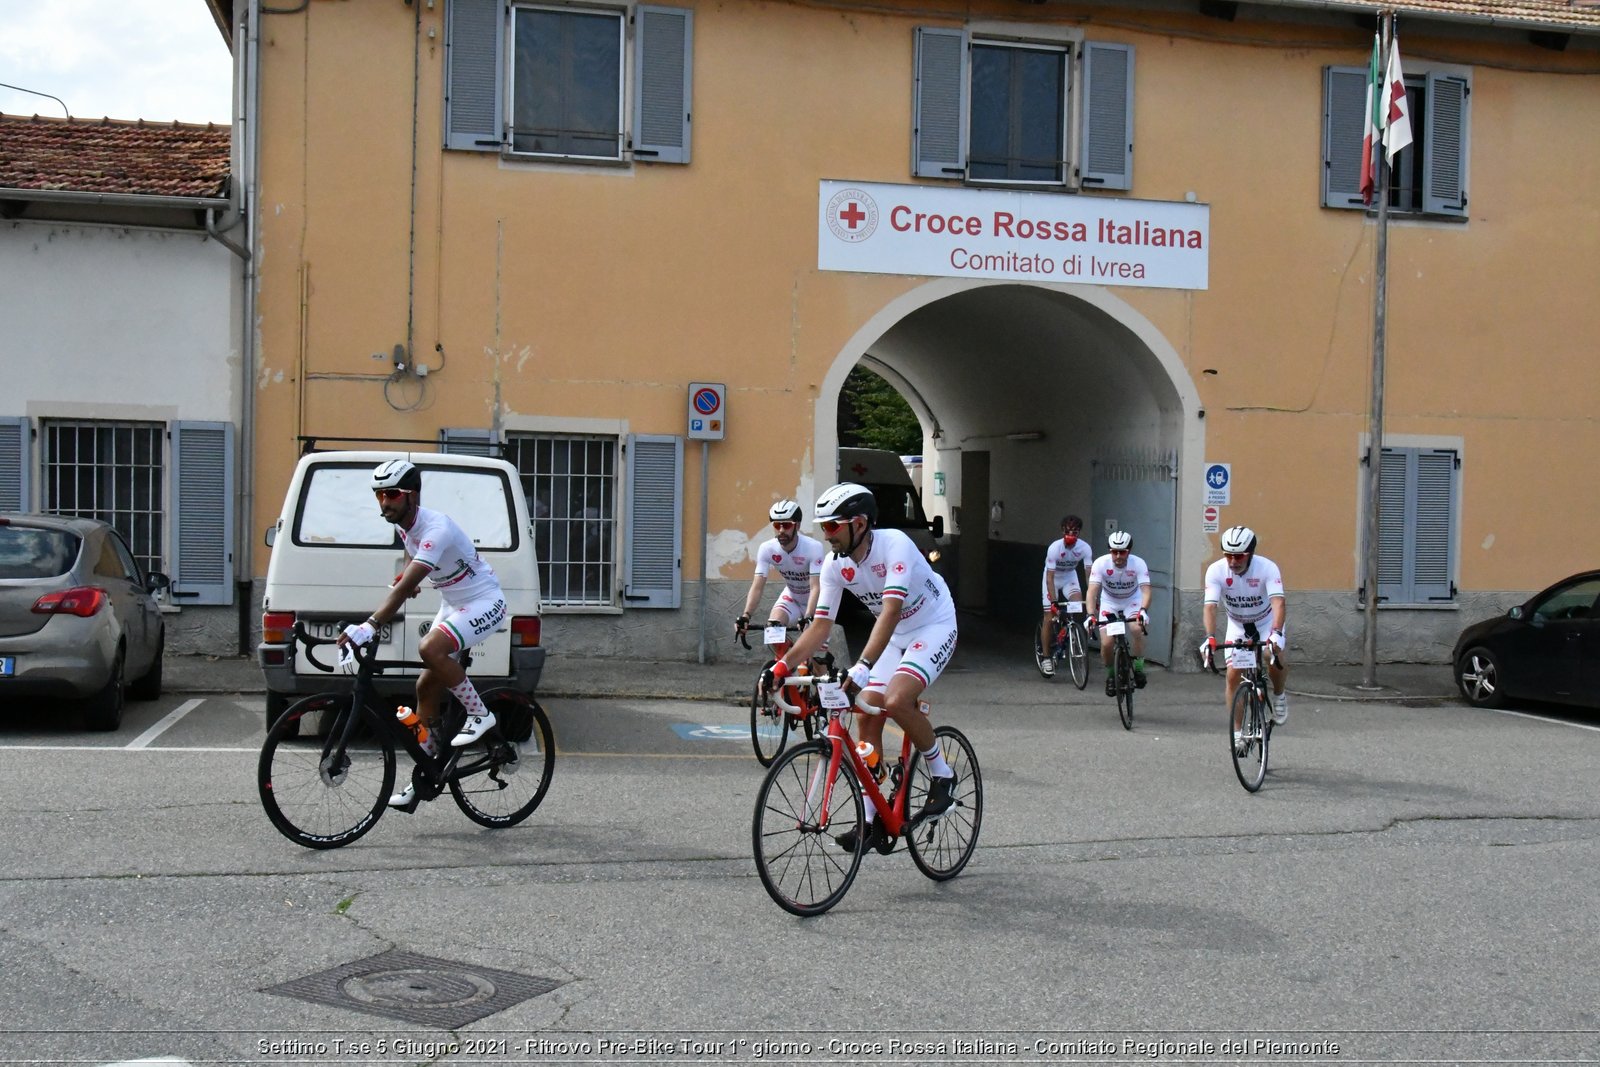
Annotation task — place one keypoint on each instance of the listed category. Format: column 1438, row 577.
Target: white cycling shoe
column 405, row 797
column 1280, row 708
column 476, row 726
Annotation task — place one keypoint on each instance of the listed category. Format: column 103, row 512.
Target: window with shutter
column 996, row 111
column 473, row 75
column 15, row 438
column 1427, row 178
column 663, row 61
column 572, row 485
column 469, row 442
column 202, row 512
column 1417, row 494
column 654, row 547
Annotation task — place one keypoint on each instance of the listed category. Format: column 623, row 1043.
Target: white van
column 899, row 502
column 334, row 558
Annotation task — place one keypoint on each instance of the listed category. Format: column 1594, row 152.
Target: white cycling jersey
column 796, row 567
column 1061, row 567
column 461, row 576
column 1246, row 597
column 1119, row 586
column 892, row 570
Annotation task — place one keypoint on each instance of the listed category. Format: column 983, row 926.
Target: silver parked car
column 78, row 617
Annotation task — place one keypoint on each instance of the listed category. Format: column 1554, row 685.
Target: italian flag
column 1374, row 123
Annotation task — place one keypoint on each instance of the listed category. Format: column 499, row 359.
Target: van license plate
column 329, row 631
column 8, row 666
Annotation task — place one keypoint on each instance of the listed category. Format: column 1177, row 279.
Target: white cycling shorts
column 1066, row 586
column 923, row 652
column 1263, row 628
column 791, row 607
column 472, row 623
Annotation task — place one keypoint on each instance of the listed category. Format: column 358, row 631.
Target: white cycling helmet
column 784, row 511
column 845, row 501
column 1120, row 541
column 396, row 474
column 1238, row 539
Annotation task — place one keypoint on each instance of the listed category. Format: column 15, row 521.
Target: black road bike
column 1071, row 645
column 1115, row 626
column 326, row 791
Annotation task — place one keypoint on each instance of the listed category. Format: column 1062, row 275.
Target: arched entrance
column 1038, row 400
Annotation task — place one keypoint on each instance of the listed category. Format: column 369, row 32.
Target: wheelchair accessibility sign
column 702, row 731
column 707, row 411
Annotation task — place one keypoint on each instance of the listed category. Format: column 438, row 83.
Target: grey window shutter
column 1444, row 161
column 663, row 70
column 202, row 512
column 1433, row 526
column 15, row 438
column 1344, row 104
column 467, row 442
column 1107, row 159
column 1393, row 492
column 472, row 84
column 653, row 555
column 939, row 104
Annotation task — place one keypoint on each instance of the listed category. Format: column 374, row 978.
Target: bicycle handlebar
column 1247, row 643
column 366, row 655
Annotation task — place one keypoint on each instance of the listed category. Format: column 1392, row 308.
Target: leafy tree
column 872, row 414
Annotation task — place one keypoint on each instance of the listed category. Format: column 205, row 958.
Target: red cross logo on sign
column 852, row 215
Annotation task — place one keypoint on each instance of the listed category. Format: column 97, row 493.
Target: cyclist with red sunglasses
column 471, row 606
column 1250, row 589
column 797, row 558
column 1065, row 567
column 910, row 645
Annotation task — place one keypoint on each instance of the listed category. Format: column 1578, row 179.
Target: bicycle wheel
column 325, row 792
column 1124, row 676
column 505, row 779
column 1250, row 754
column 941, row 847
column 801, row 866
column 1039, row 657
column 769, row 726
column 1078, row 654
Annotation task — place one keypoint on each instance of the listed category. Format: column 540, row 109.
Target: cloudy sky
column 129, row 59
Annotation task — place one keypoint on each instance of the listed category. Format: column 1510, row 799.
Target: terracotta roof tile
column 1575, row 16
column 114, row 156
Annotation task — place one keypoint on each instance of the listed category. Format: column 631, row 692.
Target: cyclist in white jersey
column 1120, row 581
column 1250, row 589
column 471, row 606
column 910, row 645
column 1065, row 562
column 798, row 560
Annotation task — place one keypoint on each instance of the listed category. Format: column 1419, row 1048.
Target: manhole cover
column 416, row 989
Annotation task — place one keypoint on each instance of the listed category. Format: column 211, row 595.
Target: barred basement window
column 110, row 471
column 571, row 484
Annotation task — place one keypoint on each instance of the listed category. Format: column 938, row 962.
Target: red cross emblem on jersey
column 899, row 568
column 427, row 544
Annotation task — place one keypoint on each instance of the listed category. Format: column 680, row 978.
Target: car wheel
column 1478, row 676
column 277, row 704
column 103, row 711
column 148, row 686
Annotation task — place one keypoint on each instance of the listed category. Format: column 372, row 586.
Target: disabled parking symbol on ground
column 705, row 731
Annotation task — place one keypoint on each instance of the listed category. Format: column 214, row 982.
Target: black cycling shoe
column 848, row 842
column 941, row 797
column 1139, row 679
column 1111, row 686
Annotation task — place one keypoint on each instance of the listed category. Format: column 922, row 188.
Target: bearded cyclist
column 909, row 647
column 1250, row 588
column 1120, row 581
column 797, row 558
column 471, row 604
column 1064, row 568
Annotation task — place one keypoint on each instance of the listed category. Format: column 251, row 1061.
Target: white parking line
column 1542, row 718
column 161, row 727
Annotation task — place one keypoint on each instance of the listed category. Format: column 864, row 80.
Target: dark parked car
column 78, row 617
column 1546, row 649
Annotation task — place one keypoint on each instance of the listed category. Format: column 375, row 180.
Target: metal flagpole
column 1369, row 651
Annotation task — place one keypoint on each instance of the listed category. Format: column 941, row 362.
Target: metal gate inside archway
column 1137, row 491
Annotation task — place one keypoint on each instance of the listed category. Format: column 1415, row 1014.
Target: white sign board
column 989, row 233
column 708, row 411
column 1211, row 519
column 1219, row 483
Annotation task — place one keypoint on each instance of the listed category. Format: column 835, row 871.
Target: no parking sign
column 707, row 411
